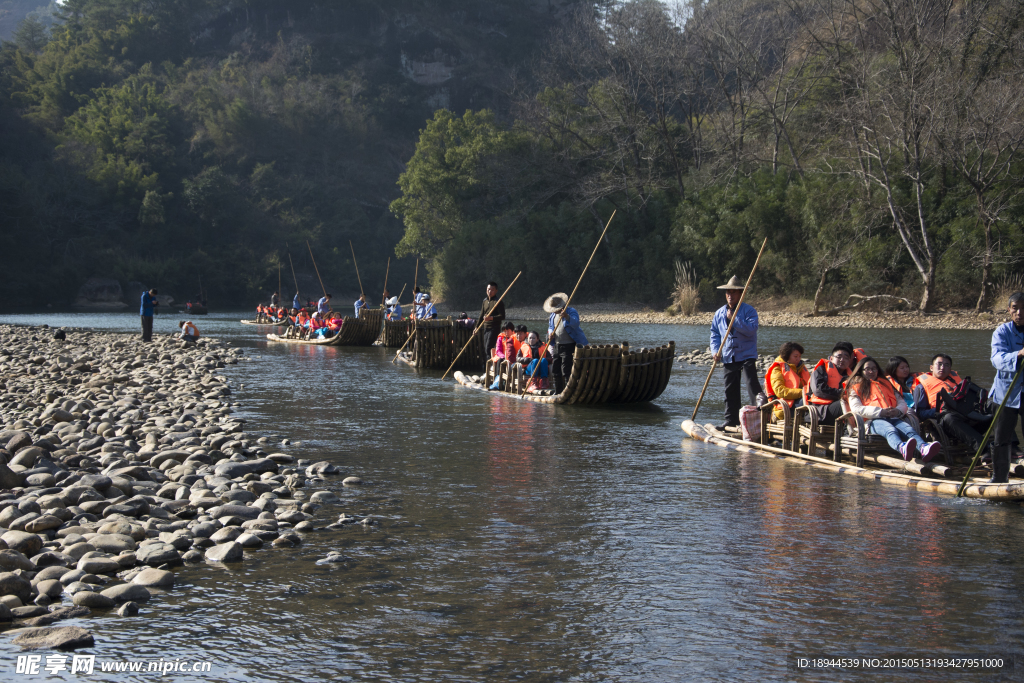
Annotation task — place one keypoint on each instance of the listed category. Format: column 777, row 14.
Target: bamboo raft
column 395, row 333
column 600, row 374
column 438, row 342
column 361, row 331
column 257, row 322
column 925, row 478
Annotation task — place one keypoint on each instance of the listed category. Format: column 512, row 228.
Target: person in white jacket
column 875, row 399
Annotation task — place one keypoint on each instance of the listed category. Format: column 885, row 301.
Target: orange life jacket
column 882, row 395
column 835, row 381
column 526, row 352
column 793, row 380
column 859, row 355
column 933, row 385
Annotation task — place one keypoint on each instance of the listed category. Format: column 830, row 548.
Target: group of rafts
column 608, row 373
column 616, row 373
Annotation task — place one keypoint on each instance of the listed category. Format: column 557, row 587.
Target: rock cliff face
column 100, row 292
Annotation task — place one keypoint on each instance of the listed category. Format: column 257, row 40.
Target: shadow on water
column 522, row 541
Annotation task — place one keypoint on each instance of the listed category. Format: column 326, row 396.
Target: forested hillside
column 161, row 141
column 875, row 143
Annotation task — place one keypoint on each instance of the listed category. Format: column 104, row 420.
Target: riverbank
column 121, row 460
column 639, row 315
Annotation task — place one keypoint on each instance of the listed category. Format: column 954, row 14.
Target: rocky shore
column 121, row 460
column 634, row 314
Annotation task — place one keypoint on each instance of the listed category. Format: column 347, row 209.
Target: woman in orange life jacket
column 529, row 353
column 901, row 378
column 787, row 377
column 824, row 391
column 507, row 346
column 872, row 397
column 334, row 324
column 928, row 386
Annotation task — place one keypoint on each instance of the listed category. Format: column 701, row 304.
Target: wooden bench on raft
column 771, row 429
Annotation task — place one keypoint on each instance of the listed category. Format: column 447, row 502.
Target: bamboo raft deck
column 609, row 373
column 395, row 333
column 361, row 331
column 438, row 342
column 977, row 488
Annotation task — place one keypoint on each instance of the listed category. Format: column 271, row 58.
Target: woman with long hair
column 873, row 398
column 902, row 379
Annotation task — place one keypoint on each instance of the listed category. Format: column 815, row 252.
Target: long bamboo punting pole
column 295, row 279
column 415, row 278
column 988, row 432
column 566, row 306
column 279, row 292
column 387, row 272
column 714, row 361
column 315, row 268
column 356, row 264
column 478, row 326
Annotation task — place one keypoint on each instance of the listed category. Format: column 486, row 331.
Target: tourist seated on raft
column 529, row 354
column 898, row 372
column 786, row 378
column 302, row 319
column 871, row 396
column 334, row 324
column 189, row 331
column 425, row 310
column 824, row 392
column 507, row 346
column 360, row 304
column 930, row 390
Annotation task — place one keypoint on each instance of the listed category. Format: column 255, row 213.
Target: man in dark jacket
column 828, row 381
column 146, row 311
column 492, row 313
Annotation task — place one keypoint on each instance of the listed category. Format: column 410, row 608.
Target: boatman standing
column 146, row 311
column 426, row 310
column 738, row 353
column 1007, row 351
column 296, row 303
column 275, row 300
column 564, row 335
column 360, row 304
column 492, row 313
column 323, row 307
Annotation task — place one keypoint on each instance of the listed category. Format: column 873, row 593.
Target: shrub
column 686, row 295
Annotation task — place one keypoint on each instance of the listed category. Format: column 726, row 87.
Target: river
column 529, row 542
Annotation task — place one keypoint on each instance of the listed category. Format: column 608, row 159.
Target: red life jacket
column 882, row 395
column 835, row 381
column 933, row 385
column 793, row 380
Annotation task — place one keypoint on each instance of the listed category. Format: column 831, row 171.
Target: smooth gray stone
column 12, row 584
column 243, row 511
column 156, row 554
column 225, row 552
column 151, row 576
column 54, row 638
column 92, row 599
column 12, row 559
column 123, row 592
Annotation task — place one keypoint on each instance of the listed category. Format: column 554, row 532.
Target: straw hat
column 550, row 305
column 733, row 283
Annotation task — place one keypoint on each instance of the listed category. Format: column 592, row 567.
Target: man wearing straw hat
column 564, row 334
column 737, row 353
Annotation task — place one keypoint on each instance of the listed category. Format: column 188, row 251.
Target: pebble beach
column 121, row 460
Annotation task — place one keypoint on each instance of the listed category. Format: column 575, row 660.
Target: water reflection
column 545, row 543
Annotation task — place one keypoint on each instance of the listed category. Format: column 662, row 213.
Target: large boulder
column 54, row 638
column 12, row 584
column 124, row 592
column 25, row 543
column 100, row 292
column 225, row 552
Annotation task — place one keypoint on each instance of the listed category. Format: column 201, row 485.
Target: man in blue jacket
column 146, row 311
column 564, row 334
column 738, row 352
column 1007, row 351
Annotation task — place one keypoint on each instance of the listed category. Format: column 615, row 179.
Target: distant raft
column 610, row 373
column 438, row 342
column 361, row 331
column 914, row 474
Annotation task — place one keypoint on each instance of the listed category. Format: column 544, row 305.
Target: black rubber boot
column 1001, row 464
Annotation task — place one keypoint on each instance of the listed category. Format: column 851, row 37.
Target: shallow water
column 521, row 541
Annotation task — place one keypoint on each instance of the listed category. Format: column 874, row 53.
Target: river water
column 529, row 542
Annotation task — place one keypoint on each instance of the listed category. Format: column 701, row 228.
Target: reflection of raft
column 437, row 342
column 922, row 482
column 395, row 333
column 606, row 374
column 361, row 331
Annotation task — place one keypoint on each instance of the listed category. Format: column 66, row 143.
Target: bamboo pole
column 988, row 432
column 413, row 333
column 279, row 292
column 478, row 326
column 566, row 306
column 386, row 273
column 356, row 264
column 295, row 279
column 315, row 268
column 714, row 362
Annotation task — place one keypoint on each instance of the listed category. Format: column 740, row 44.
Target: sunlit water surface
column 542, row 543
